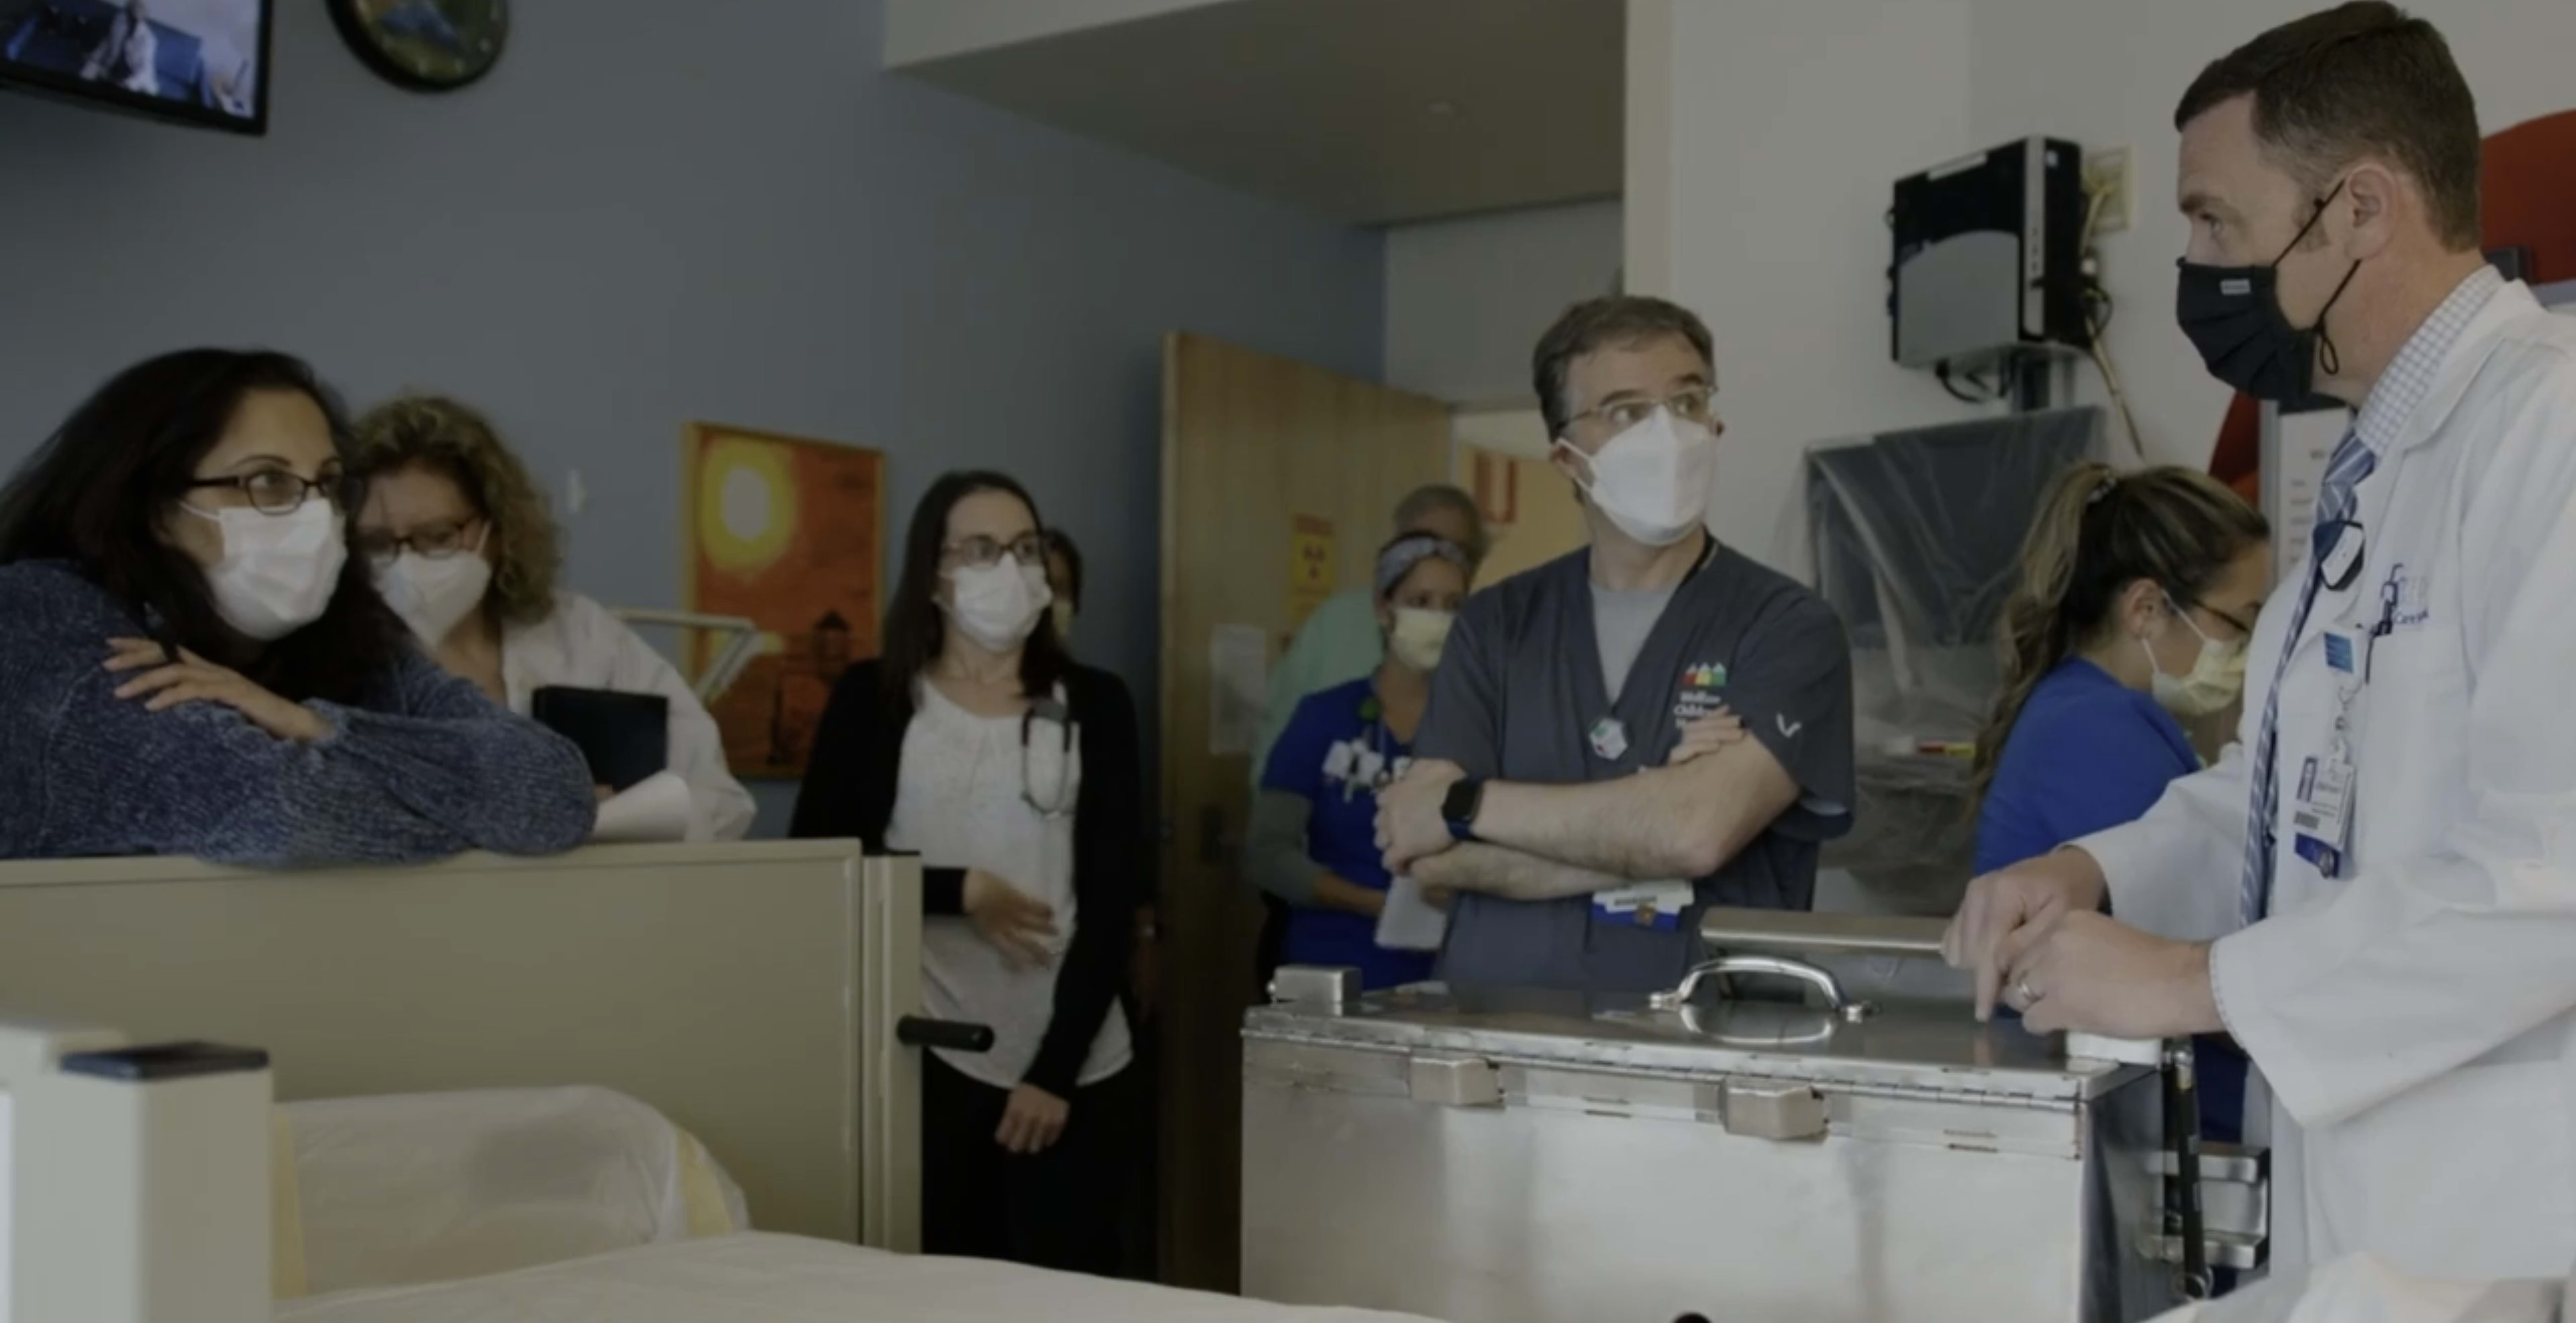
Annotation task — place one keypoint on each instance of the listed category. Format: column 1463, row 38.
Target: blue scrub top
column 1341, row 837
column 2087, row 754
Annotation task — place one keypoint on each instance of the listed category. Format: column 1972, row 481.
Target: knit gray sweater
column 427, row 767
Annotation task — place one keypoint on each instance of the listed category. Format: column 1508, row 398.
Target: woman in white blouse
column 465, row 551
column 1014, row 773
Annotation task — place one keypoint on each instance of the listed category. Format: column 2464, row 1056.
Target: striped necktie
column 2351, row 463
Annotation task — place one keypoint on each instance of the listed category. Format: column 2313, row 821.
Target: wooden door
column 1531, row 511
column 1279, row 480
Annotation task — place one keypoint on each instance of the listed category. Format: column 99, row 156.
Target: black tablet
column 626, row 737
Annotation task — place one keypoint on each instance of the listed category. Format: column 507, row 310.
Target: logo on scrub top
column 1701, row 690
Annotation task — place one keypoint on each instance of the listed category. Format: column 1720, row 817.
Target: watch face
column 433, row 45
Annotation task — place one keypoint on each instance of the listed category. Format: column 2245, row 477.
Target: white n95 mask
column 1652, row 480
column 433, row 594
column 1419, row 636
column 278, row 571
column 2216, row 677
column 998, row 604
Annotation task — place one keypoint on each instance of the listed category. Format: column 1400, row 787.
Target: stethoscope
column 1048, row 709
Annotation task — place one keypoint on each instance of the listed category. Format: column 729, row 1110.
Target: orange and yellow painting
column 783, row 530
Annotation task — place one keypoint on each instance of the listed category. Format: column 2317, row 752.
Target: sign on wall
column 1310, row 567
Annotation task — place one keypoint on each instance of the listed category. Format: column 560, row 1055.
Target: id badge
column 2321, row 812
column 2348, row 664
column 1656, row 905
column 1341, row 761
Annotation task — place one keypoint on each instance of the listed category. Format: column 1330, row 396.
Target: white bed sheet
column 757, row 1277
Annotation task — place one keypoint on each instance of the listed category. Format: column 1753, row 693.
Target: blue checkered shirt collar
column 2410, row 375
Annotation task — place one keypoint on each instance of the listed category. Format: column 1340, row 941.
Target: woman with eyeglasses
column 463, row 549
column 1014, row 773
column 193, row 665
column 2137, row 596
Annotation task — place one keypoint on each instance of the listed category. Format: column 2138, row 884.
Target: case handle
column 1825, row 984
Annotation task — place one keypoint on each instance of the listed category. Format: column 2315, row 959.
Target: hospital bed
column 756, row 995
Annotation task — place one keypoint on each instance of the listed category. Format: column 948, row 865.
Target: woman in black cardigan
column 1014, row 773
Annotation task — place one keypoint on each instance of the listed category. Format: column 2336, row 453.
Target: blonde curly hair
column 444, row 435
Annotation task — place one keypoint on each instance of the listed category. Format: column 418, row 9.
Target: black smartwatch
column 1458, row 808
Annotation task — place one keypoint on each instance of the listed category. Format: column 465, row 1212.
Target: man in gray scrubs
column 1546, row 794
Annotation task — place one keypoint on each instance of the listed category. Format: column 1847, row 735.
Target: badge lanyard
column 1373, row 711
column 2322, row 796
column 1609, row 735
column 1653, row 906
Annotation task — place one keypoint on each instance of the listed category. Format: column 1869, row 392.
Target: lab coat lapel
column 2408, row 486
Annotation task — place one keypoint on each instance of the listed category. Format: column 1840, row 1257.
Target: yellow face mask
column 1418, row 636
column 2216, row 677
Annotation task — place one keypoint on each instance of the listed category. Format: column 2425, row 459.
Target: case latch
column 1772, row 1110
column 1455, row 1082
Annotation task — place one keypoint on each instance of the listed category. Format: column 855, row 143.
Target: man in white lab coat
column 2375, row 893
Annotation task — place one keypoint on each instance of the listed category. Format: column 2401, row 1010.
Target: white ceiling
column 1370, row 111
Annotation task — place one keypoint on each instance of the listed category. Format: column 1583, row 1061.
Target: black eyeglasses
column 2243, row 628
column 436, row 542
column 281, row 491
column 981, row 552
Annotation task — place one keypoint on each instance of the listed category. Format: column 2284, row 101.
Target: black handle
column 955, row 1035
column 2182, row 1212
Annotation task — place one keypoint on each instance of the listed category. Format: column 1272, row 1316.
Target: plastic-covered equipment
column 1916, row 536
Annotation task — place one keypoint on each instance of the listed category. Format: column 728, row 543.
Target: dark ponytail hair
column 914, row 631
column 2098, row 532
column 97, row 492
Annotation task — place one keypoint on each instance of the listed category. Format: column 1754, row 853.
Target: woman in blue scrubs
column 1313, row 841
column 2138, row 593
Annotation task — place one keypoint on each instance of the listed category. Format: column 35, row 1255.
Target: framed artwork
column 785, row 531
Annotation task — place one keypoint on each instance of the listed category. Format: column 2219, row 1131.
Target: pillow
column 430, row 1187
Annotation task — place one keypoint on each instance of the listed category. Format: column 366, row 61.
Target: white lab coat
column 583, row 646
column 2411, row 1023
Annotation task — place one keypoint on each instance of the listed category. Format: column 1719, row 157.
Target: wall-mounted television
column 197, row 61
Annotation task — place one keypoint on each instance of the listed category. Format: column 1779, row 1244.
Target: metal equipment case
column 1511, row 1157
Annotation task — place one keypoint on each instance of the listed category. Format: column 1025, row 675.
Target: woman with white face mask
column 2137, row 595
column 192, row 664
column 463, row 549
column 1015, row 775
column 1313, row 839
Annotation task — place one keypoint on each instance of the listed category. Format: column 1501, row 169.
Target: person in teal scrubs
column 1341, row 641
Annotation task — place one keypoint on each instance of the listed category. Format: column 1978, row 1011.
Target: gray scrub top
column 1519, row 693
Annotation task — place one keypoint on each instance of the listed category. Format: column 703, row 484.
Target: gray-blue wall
column 662, row 210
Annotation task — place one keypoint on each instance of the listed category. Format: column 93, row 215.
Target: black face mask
column 2233, row 316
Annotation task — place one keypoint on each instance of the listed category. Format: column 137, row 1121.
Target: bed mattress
column 761, row 1278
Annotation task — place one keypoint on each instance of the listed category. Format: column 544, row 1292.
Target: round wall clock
column 426, row 45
